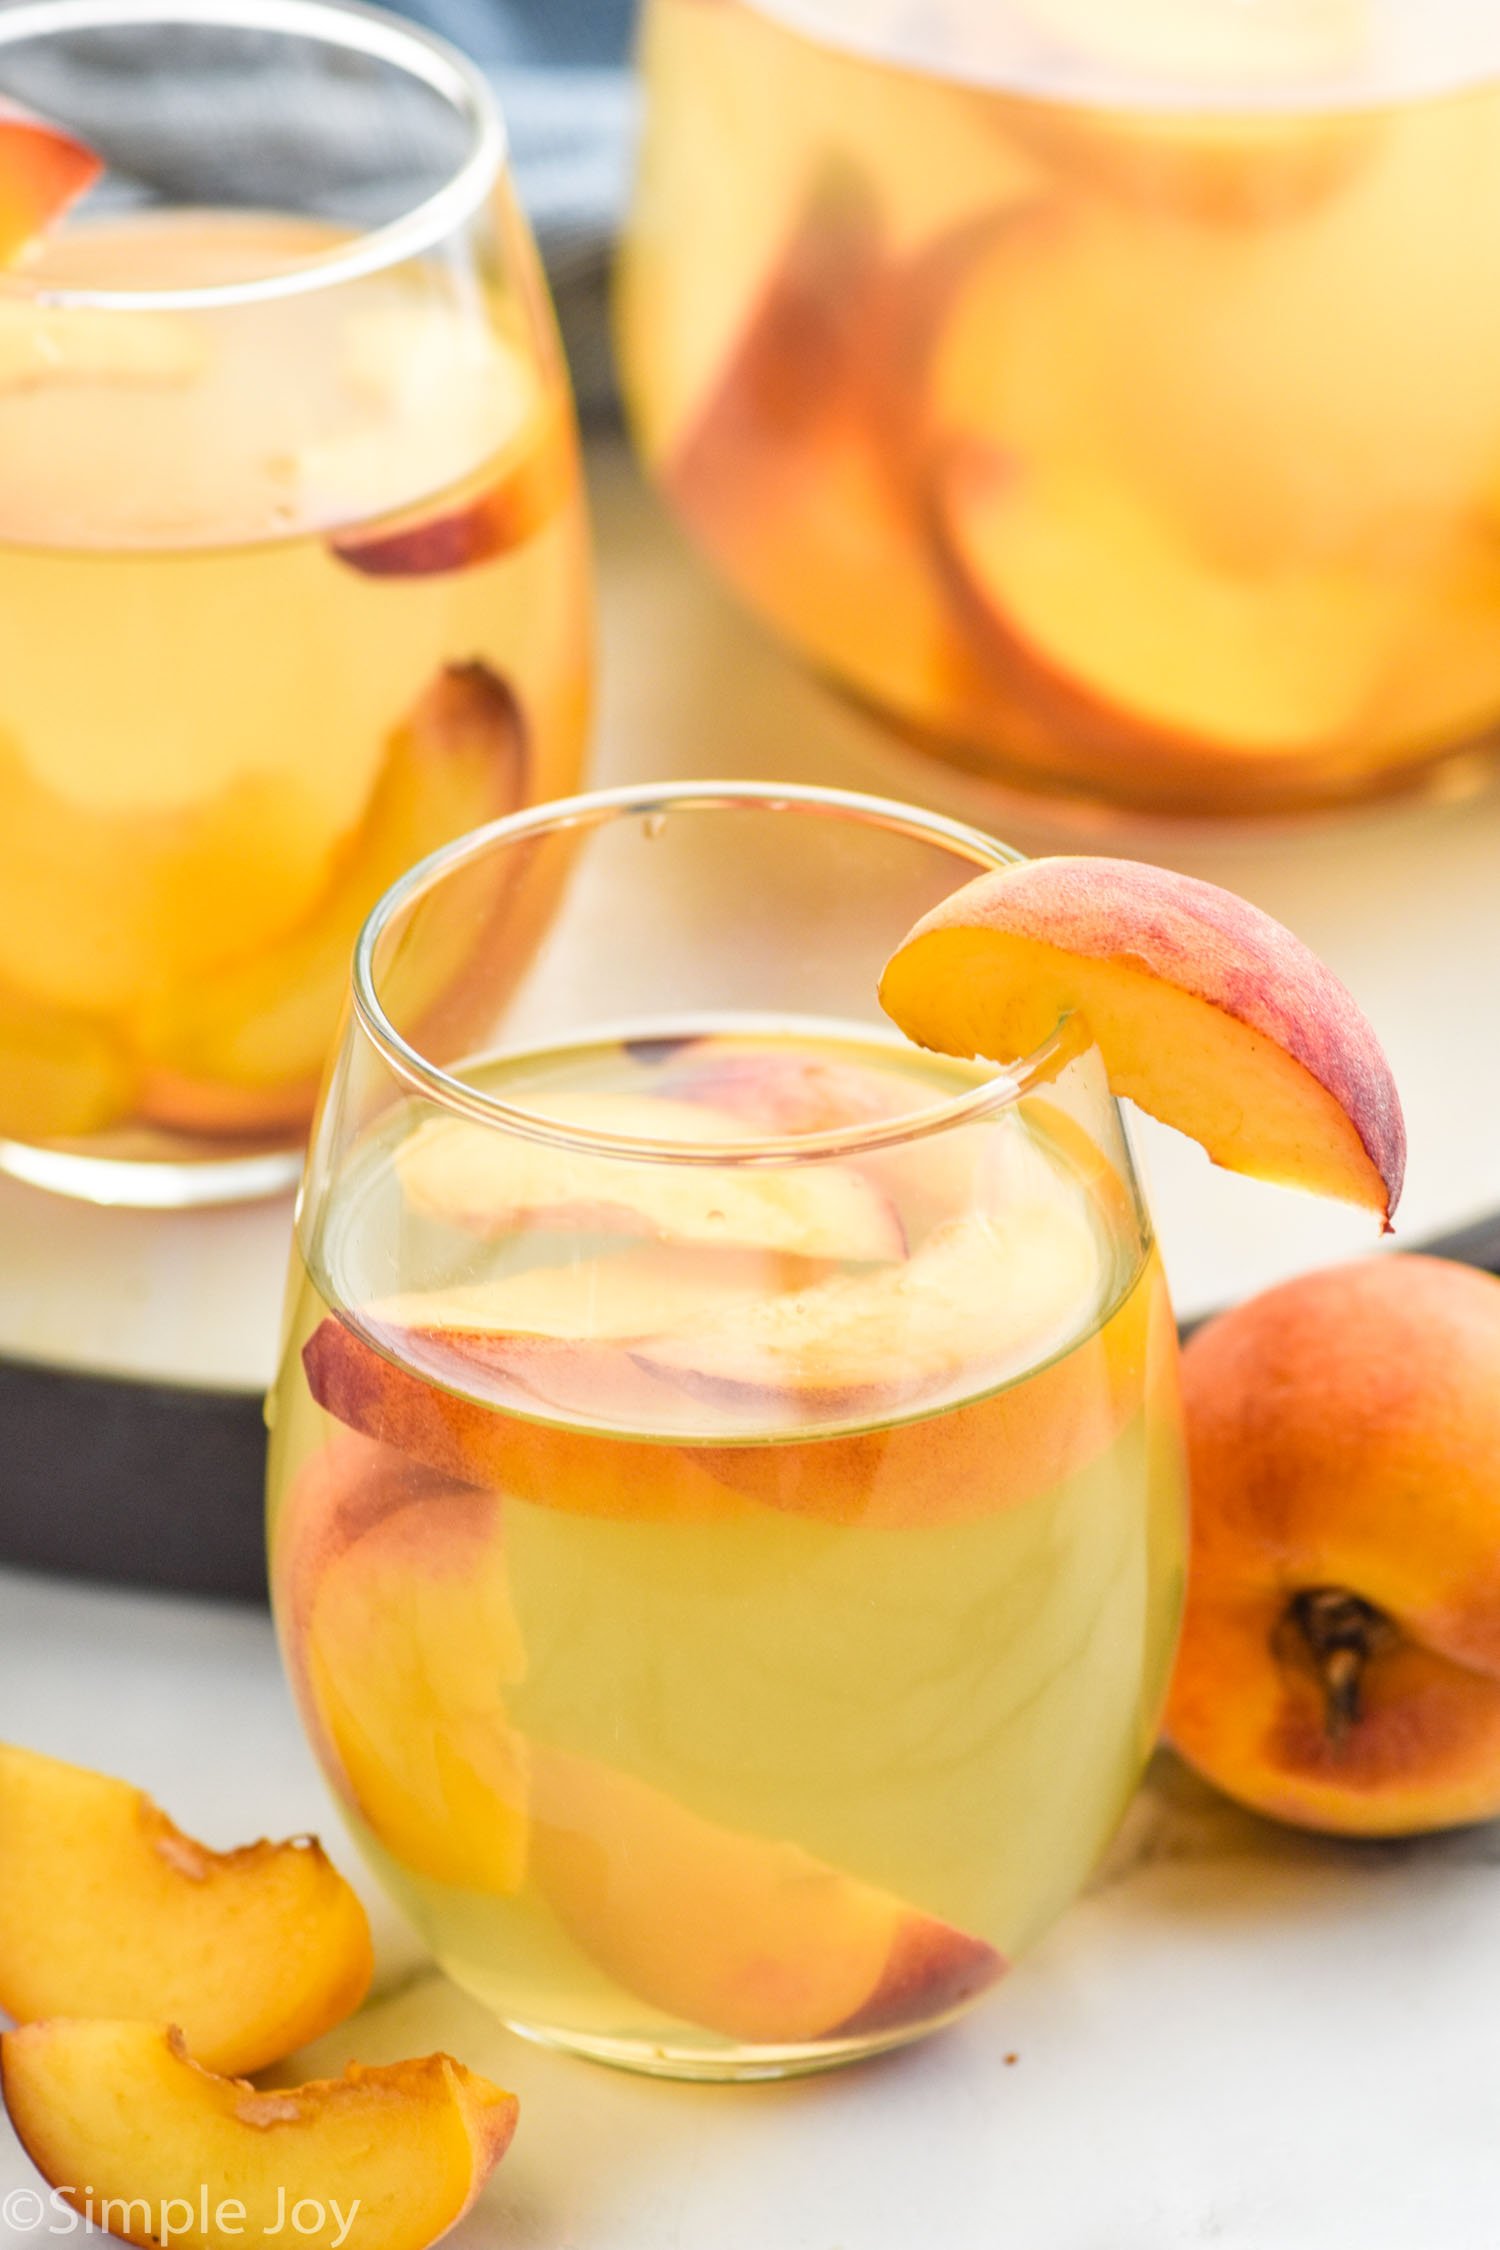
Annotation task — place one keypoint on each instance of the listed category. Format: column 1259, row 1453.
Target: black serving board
column 155, row 1485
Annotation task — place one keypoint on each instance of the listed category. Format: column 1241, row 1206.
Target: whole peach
column 1340, row 1661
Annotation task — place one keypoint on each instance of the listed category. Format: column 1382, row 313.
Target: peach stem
column 1340, row 1632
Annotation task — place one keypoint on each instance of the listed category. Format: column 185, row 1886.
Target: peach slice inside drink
column 748, row 1936
column 491, row 1185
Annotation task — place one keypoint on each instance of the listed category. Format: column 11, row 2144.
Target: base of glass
column 721, row 2066
column 148, row 1171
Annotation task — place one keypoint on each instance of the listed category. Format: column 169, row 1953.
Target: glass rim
column 647, row 801
column 357, row 28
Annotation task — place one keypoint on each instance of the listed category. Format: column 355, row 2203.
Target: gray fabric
column 561, row 69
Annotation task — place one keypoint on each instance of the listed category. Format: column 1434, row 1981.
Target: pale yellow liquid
column 202, row 699
column 825, row 1642
column 1146, row 454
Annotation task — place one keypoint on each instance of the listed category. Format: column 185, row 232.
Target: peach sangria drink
column 726, row 1481
column 1109, row 394
column 292, row 566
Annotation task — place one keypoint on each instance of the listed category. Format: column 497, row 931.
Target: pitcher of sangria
column 293, row 578
column 1108, row 394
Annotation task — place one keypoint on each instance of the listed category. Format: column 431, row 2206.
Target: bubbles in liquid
column 1173, row 53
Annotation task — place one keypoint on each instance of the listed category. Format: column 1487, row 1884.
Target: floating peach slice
column 244, row 1051
column 558, row 1335
column 42, row 171
column 385, row 2159
column 983, row 1296
column 531, row 486
column 105, row 1904
column 739, row 1933
column 377, row 1395
column 978, row 1458
column 1208, row 1013
column 42, row 345
column 493, row 1182
column 779, row 1091
column 401, row 1638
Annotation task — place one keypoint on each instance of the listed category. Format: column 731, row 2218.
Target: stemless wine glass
column 293, row 576
column 726, row 1481
column 1106, row 390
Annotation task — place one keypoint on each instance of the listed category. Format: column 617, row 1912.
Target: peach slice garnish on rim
column 124, row 2108
column 104, row 1904
column 42, row 170
column 1207, row 1013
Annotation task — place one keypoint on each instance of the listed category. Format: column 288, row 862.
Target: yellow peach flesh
column 401, row 1639
column 105, row 1905
column 123, row 2108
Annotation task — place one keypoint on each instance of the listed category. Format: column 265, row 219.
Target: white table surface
column 1241, row 2039
column 1405, row 905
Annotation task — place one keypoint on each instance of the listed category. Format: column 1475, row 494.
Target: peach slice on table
column 984, row 1297
column 244, row 1052
column 742, row 1934
column 42, row 170
column 105, row 1904
column 493, row 1182
column 1209, row 1014
column 401, row 1639
column 1340, row 1659
column 380, row 2159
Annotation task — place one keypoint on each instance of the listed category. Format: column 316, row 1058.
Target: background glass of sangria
column 726, row 1482
column 1109, row 393
column 293, row 576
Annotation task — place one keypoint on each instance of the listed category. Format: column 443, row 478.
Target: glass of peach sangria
column 726, row 1484
column 1106, row 390
column 293, row 576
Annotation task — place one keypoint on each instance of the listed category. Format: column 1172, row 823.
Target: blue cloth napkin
column 562, row 70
